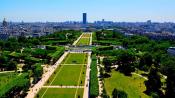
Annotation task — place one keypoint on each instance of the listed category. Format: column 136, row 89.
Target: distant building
column 84, row 18
column 171, row 51
column 22, row 34
column 128, row 34
column 4, row 36
column 4, row 23
column 35, row 35
column 149, row 22
column 4, row 28
column 41, row 46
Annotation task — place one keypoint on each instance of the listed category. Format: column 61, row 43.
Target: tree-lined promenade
column 120, row 66
column 72, row 72
column 32, row 57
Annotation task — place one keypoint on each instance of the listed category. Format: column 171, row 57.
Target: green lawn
column 133, row 86
column 83, row 41
column 60, row 93
column 71, row 72
column 68, row 75
column 86, row 35
column 6, row 77
column 75, row 58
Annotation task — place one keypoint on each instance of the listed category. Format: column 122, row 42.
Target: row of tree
column 144, row 54
column 94, row 87
column 27, row 51
column 16, row 87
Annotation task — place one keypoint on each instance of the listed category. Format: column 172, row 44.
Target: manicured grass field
column 68, row 75
column 84, row 41
column 133, row 86
column 75, row 58
column 71, row 72
column 86, row 35
column 60, row 93
column 6, row 77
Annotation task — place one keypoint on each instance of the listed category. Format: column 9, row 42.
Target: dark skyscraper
column 84, row 18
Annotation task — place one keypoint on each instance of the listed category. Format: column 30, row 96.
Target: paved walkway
column 62, row 86
column 73, row 64
column 140, row 75
column 35, row 89
column 78, row 39
column 90, row 40
column 99, row 82
column 7, row 71
column 85, row 37
column 77, row 52
column 87, row 80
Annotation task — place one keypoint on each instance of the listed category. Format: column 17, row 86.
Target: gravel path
column 62, row 86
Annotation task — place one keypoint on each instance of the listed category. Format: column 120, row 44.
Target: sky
column 71, row 10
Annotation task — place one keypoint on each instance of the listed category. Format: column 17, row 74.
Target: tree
column 104, row 94
column 153, row 84
column 94, row 87
column 1, row 44
column 37, row 72
column 3, row 61
column 148, row 59
column 125, row 42
column 107, row 64
column 157, row 60
column 34, row 41
column 169, row 69
column 16, row 87
column 145, row 62
column 126, row 61
column 12, row 65
column 119, row 94
column 154, row 95
column 98, row 35
column 40, row 53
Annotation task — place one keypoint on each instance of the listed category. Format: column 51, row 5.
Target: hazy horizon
column 71, row 10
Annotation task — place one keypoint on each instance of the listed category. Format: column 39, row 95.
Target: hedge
column 94, row 87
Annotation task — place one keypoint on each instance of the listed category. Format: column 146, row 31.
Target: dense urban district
column 76, row 64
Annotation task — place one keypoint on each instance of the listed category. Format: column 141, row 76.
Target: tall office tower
column 84, row 18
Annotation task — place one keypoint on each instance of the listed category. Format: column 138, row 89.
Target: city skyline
column 71, row 10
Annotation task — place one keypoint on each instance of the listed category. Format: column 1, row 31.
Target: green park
column 61, row 93
column 84, row 40
column 71, row 72
column 133, row 85
column 126, row 66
